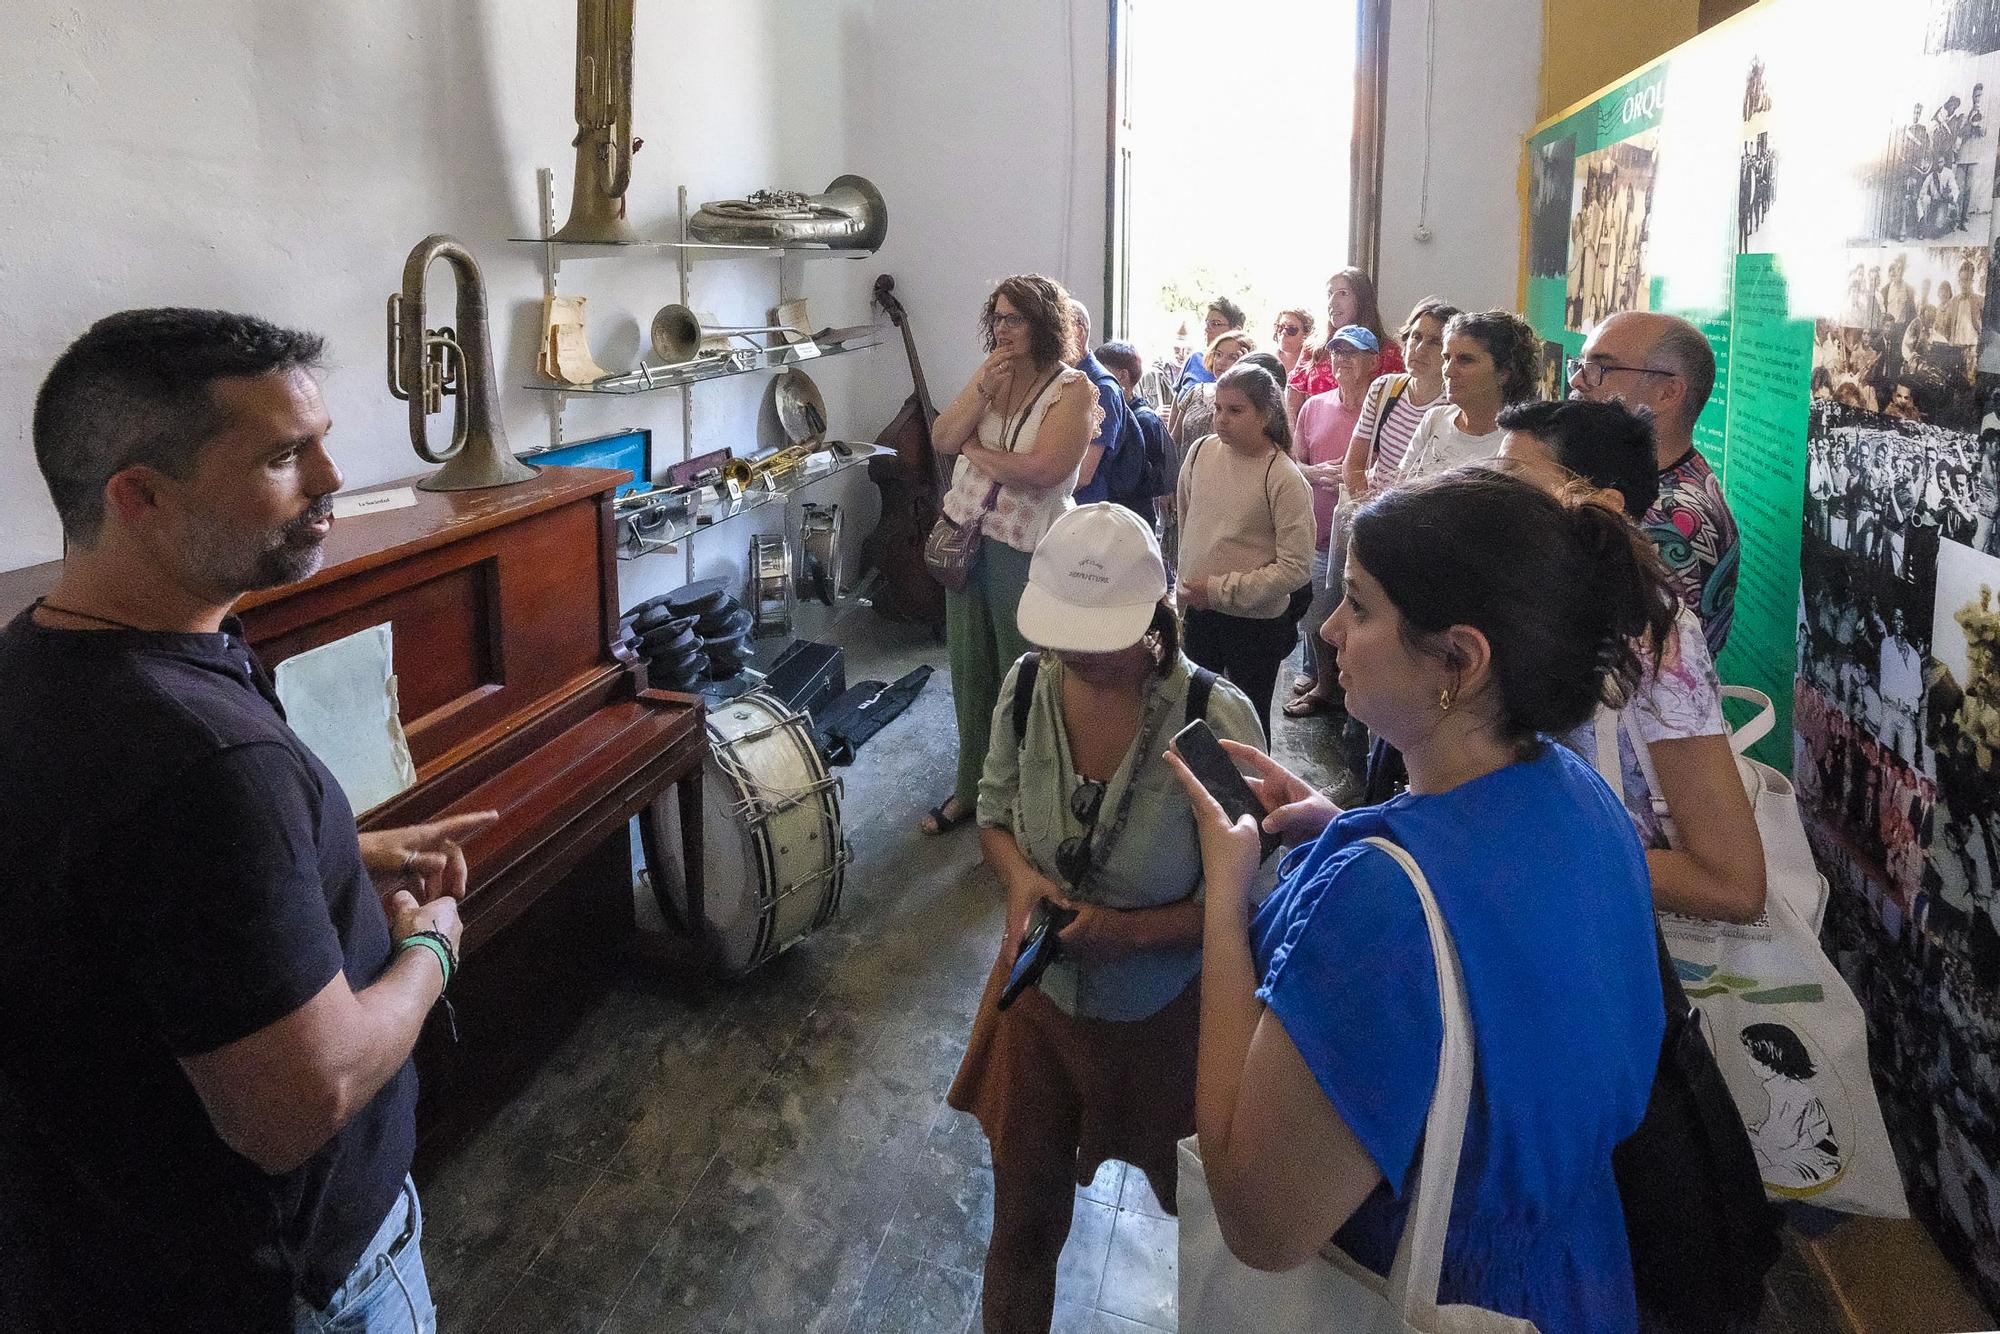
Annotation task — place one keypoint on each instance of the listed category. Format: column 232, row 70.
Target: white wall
column 1488, row 63
column 282, row 157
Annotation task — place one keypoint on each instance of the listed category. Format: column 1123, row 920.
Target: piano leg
column 688, row 790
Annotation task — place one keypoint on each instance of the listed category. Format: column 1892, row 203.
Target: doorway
column 1230, row 162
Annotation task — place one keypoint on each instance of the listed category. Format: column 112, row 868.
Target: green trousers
column 984, row 641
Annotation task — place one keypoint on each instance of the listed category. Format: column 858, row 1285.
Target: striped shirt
column 1390, row 434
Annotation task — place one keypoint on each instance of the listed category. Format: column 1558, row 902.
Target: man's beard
column 288, row 554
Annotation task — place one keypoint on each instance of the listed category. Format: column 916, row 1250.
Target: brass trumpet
column 425, row 365
column 604, row 143
column 775, row 467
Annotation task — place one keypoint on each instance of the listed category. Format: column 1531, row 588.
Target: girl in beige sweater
column 1246, row 538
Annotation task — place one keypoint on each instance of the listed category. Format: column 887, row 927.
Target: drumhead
column 773, row 852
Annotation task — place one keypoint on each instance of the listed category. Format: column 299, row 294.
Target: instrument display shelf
column 675, row 531
column 569, row 250
column 651, row 379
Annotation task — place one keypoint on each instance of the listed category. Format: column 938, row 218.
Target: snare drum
column 773, row 854
column 770, row 590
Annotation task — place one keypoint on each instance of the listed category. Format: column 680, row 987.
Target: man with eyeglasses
column 1664, row 364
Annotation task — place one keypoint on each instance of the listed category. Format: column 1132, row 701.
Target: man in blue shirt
column 1140, row 475
column 1093, row 478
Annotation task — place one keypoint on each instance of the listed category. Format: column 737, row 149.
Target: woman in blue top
column 1481, row 616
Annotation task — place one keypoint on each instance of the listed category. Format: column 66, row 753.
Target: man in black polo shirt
column 206, row 1013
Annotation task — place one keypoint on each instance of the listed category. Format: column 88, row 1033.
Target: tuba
column 850, row 215
column 604, row 143
column 427, row 364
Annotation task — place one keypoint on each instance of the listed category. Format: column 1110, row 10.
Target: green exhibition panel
column 1812, row 183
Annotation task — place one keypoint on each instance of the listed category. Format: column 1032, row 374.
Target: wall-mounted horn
column 678, row 333
column 425, row 365
column 604, row 142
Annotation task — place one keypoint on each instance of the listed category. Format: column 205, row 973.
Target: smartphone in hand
column 1210, row 763
column 1040, row 947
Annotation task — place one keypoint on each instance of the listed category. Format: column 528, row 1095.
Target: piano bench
column 1884, row 1276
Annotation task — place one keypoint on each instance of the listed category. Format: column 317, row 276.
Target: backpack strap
column 1200, row 682
column 1025, row 672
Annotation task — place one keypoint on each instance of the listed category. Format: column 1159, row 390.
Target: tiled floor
column 775, row 1154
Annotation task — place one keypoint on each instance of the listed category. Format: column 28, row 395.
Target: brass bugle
column 678, row 333
column 426, row 365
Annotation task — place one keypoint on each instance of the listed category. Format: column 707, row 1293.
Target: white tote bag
column 1219, row 1294
column 1786, row 1030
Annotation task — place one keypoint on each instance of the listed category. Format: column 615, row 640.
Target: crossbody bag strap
column 1020, row 423
column 1413, row 1279
column 1009, row 441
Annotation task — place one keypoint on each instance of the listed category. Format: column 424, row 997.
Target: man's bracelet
column 436, row 943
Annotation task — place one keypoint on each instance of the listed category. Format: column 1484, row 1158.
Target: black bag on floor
column 1701, row 1232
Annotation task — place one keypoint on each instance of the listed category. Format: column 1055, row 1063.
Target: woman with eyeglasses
column 1019, row 430
column 1289, row 332
column 1077, row 807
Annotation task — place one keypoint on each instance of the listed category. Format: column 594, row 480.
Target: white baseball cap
column 1094, row 581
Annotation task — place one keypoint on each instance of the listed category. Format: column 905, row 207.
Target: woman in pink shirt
column 1326, row 427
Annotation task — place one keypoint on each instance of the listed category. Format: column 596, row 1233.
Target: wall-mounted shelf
column 676, row 531
column 684, row 254
column 648, row 379
column 568, row 250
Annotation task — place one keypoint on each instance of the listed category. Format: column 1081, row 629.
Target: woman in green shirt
column 1077, row 806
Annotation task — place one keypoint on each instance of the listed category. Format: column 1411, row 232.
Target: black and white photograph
column 1611, row 210
column 1551, row 187
column 1931, row 180
column 1989, row 341
column 1849, row 776
column 1550, row 385
column 1906, row 342
column 1963, row 25
column 1872, row 485
column 1757, row 162
column 1963, row 710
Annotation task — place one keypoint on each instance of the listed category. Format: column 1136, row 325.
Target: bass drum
column 773, row 854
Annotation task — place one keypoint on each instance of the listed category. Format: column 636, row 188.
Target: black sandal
column 943, row 824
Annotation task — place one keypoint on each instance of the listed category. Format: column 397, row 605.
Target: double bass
column 912, row 489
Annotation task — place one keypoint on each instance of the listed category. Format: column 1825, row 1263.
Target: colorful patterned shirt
column 1696, row 535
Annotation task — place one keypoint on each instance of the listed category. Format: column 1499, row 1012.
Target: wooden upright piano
column 517, row 696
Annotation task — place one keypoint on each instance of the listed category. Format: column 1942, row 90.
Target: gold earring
column 1445, row 700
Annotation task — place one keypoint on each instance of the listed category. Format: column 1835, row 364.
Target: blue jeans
column 386, row 1291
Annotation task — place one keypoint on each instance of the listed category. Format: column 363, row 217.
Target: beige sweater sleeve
column 1255, row 592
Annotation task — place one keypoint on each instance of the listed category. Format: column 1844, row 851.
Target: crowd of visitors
column 1491, row 588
